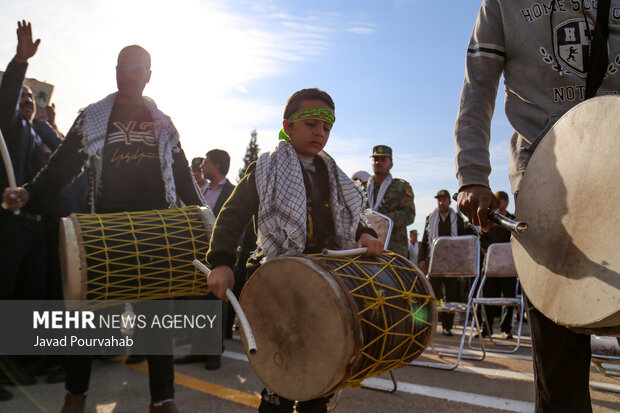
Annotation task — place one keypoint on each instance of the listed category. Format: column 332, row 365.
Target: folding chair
column 499, row 264
column 606, row 350
column 455, row 257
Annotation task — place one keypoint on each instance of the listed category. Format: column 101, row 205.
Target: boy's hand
column 375, row 247
column 220, row 279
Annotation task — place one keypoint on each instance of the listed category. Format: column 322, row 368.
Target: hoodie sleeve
column 484, row 65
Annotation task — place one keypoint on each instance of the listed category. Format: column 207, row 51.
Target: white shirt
column 213, row 192
column 413, row 252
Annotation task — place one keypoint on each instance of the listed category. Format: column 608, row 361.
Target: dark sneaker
column 74, row 403
column 165, row 407
column 447, row 332
column 213, row 362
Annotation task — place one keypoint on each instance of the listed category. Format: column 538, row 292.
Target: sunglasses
column 136, row 69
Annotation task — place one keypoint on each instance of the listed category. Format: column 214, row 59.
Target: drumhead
column 297, row 301
column 73, row 268
column 568, row 260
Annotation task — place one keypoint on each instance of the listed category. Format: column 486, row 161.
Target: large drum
column 131, row 256
column 568, row 260
column 325, row 323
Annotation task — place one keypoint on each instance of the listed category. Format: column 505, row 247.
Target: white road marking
column 453, row 395
column 487, row 372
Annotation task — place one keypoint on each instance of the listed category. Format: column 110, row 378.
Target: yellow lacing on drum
column 163, row 242
column 376, row 305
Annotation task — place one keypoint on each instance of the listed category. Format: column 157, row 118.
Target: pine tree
column 251, row 154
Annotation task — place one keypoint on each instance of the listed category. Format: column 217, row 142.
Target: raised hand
column 26, row 48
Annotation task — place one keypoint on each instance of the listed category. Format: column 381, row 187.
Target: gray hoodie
column 541, row 54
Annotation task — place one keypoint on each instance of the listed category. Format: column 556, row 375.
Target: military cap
column 442, row 192
column 382, row 150
column 501, row 195
column 196, row 162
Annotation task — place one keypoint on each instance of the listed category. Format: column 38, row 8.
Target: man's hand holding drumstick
column 14, row 198
column 475, row 201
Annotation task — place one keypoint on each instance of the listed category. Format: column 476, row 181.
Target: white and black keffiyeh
column 373, row 203
column 433, row 225
column 93, row 127
column 282, row 202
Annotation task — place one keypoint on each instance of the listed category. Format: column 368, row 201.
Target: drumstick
column 344, row 253
column 503, row 221
column 245, row 324
column 6, row 158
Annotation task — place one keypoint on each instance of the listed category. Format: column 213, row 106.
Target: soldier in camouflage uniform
column 392, row 197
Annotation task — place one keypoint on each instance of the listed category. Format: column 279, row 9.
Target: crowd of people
column 95, row 169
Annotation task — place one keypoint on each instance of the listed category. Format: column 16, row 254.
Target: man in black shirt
column 443, row 221
column 135, row 162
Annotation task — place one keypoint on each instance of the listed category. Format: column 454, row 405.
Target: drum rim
column 72, row 252
column 354, row 321
column 208, row 218
column 432, row 307
column 526, row 277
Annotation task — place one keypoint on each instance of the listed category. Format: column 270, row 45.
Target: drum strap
column 598, row 55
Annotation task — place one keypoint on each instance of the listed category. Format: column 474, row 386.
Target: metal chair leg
column 394, row 383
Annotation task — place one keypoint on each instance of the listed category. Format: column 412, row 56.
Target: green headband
column 321, row 114
column 314, row 113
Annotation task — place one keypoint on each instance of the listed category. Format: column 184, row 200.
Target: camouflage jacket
column 399, row 206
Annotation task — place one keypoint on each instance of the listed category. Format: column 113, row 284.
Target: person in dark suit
column 214, row 168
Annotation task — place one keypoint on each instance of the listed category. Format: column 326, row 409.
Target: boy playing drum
column 301, row 202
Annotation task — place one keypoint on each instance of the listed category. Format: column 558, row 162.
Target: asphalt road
column 500, row 382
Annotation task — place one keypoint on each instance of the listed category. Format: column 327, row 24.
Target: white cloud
column 206, row 60
column 361, row 30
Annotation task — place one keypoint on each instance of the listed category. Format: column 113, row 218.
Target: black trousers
column 500, row 287
column 451, row 289
column 561, row 366
column 23, row 272
column 272, row 403
column 161, row 367
column 161, row 376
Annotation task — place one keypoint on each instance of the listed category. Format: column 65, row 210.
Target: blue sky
column 222, row 68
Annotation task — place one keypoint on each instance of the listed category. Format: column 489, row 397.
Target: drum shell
column 298, row 360
column 81, row 243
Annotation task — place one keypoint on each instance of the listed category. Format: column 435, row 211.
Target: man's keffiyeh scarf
column 93, row 127
column 373, row 203
column 433, row 226
column 282, row 213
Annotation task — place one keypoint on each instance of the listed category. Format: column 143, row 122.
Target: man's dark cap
column 196, row 162
column 443, row 192
column 382, row 150
column 501, row 195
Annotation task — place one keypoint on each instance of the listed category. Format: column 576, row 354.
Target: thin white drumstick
column 8, row 165
column 344, row 253
column 245, row 324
